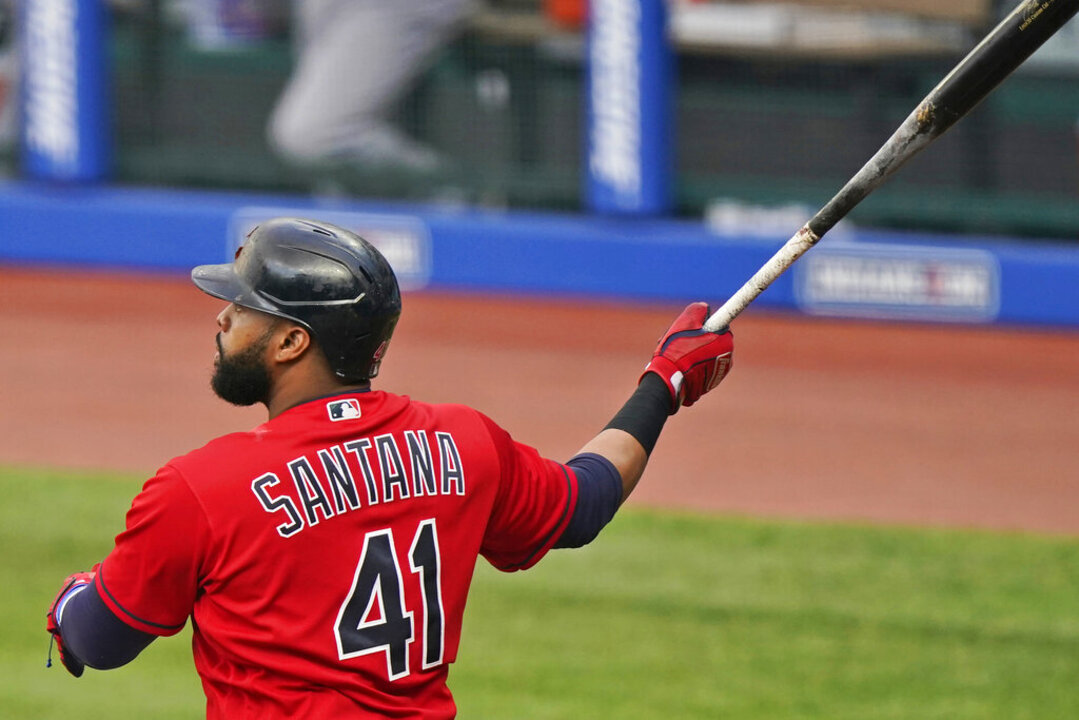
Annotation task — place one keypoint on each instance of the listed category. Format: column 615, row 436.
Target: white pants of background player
column 354, row 60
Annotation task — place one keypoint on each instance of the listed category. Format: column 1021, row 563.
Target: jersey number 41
column 374, row 617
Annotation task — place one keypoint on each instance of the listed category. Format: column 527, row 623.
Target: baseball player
column 355, row 59
column 325, row 556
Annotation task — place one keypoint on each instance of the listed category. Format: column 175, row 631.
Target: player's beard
column 242, row 378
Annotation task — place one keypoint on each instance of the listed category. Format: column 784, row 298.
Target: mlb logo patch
column 343, row 409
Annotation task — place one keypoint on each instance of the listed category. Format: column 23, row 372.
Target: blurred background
column 771, row 105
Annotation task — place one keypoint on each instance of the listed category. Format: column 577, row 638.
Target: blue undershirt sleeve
column 599, row 493
column 93, row 634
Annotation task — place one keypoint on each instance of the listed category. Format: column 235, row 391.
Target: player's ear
column 292, row 342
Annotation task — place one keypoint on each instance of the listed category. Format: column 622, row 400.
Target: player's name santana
column 326, row 479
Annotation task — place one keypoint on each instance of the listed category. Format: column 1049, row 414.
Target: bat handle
column 783, row 259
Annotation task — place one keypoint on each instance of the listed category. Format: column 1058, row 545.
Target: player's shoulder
column 462, row 416
column 219, row 452
column 419, row 411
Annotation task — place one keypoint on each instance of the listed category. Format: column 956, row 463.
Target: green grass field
column 665, row 616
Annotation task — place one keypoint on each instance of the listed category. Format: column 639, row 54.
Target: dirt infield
column 820, row 419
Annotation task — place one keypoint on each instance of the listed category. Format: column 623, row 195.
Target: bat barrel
column 1003, row 50
column 996, row 57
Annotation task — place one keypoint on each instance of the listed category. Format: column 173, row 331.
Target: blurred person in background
column 354, row 60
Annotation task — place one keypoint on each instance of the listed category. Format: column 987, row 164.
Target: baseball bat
column 1004, row 49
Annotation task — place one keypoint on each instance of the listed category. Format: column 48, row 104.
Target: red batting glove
column 73, row 583
column 691, row 360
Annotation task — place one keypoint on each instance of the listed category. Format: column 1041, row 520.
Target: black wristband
column 645, row 412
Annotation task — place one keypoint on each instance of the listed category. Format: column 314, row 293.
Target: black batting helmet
column 330, row 280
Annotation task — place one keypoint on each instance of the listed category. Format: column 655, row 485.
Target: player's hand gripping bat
column 995, row 58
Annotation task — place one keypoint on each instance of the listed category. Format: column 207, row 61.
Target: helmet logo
column 343, row 409
column 376, row 359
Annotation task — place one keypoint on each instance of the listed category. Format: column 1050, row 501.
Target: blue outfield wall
column 857, row 273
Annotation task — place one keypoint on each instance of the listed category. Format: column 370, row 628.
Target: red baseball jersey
column 325, row 556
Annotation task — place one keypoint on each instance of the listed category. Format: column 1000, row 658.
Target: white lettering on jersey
column 330, row 474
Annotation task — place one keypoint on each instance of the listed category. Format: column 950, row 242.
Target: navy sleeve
column 93, row 634
column 599, row 493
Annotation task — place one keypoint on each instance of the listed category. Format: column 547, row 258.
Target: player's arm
column 86, row 632
column 688, row 362
column 146, row 586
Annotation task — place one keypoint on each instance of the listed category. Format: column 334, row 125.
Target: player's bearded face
column 241, row 378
